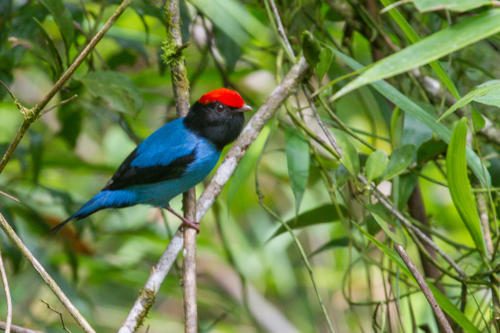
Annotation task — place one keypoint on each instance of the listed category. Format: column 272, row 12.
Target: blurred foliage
column 434, row 170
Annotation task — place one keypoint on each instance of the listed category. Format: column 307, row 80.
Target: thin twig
column 59, row 104
column 18, row 329
column 439, row 314
column 10, row 196
column 34, row 113
column 180, row 84
column 5, row 282
column 45, row 276
column 58, row 313
column 213, row 189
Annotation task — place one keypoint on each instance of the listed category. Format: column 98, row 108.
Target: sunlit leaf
column 325, row 61
column 376, row 164
column 459, row 185
column 350, row 157
column 429, row 49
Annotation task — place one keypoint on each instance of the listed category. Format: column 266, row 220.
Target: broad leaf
column 429, row 49
column 116, row 89
column 376, row 164
column 459, row 185
column 401, row 157
column 350, row 157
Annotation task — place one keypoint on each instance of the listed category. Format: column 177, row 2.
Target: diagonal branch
column 45, row 276
column 206, row 200
column 31, row 115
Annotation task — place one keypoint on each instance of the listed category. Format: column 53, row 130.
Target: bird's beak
column 244, row 108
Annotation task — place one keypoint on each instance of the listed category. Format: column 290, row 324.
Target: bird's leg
column 185, row 221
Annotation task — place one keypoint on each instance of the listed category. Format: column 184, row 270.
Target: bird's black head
column 218, row 116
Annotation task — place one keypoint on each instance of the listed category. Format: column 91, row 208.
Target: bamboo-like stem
column 45, row 276
column 180, row 84
column 5, row 282
column 31, row 115
column 207, row 198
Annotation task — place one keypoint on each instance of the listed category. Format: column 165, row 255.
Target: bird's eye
column 219, row 107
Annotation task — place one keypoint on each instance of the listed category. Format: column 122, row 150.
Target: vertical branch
column 213, row 189
column 180, row 85
column 5, row 283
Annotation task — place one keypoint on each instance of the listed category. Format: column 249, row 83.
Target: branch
column 18, row 329
column 30, row 115
column 206, row 200
column 8, row 323
column 439, row 314
column 180, row 85
column 45, row 276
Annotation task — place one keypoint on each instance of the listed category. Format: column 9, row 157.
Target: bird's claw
column 190, row 224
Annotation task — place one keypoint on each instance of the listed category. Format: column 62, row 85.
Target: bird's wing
column 164, row 155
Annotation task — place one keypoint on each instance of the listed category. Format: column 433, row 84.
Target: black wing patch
column 128, row 175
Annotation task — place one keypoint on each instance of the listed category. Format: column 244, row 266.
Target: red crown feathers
column 223, row 95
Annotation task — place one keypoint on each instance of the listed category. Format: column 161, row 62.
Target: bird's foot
column 185, row 221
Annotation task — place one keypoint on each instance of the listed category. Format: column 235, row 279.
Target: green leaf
column 459, row 185
column 234, row 19
column 311, row 48
column 325, row 61
column 387, row 251
column 297, row 157
column 322, row 214
column 378, row 213
column 117, row 89
column 413, row 109
column 448, row 307
column 401, row 157
column 429, row 49
column 454, row 5
column 376, row 164
column 336, row 242
column 64, row 21
column 486, row 93
column 350, row 157
column 477, row 120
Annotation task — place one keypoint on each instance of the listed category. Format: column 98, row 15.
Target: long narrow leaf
column 490, row 87
column 429, row 49
column 458, row 183
column 413, row 109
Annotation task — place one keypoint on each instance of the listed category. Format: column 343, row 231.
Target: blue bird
column 174, row 158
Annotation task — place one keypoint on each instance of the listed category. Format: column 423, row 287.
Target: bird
column 174, row 158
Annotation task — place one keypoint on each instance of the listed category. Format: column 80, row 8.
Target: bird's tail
column 103, row 199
